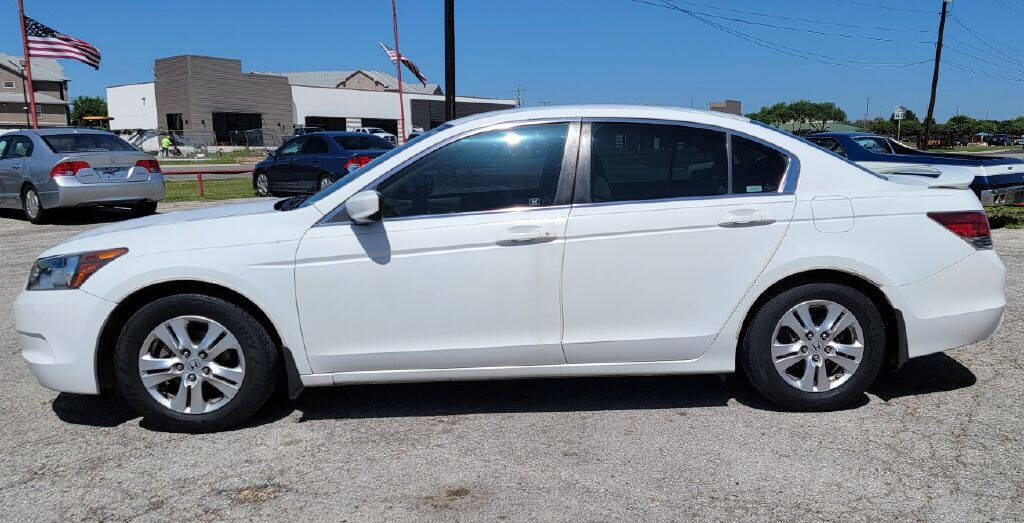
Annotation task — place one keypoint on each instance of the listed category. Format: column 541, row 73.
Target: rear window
column 362, row 143
column 85, row 143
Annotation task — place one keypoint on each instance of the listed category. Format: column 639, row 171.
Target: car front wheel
column 325, row 182
column 195, row 363
column 261, row 184
column 814, row 347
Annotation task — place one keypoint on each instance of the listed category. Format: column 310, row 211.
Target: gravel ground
column 939, row 440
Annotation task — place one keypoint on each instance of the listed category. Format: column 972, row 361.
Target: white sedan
column 554, row 241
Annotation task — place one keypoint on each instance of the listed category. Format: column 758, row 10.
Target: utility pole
column 519, row 96
column 867, row 109
column 935, row 75
column 449, row 60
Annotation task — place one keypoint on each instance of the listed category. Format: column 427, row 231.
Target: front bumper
column 59, row 331
column 959, row 305
column 70, row 192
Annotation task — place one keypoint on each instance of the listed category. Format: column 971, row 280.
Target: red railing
column 198, row 173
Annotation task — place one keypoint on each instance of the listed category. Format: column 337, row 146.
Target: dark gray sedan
column 44, row 169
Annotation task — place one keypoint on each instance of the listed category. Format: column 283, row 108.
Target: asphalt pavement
column 940, row 440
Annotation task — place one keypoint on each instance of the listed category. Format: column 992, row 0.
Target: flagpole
column 31, row 94
column 398, row 64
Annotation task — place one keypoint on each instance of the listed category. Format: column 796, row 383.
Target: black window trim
column 581, row 196
column 563, row 194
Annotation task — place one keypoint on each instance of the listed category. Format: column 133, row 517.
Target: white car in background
column 541, row 242
column 377, row 131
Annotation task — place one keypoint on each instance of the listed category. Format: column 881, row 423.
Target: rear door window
column 873, row 144
column 20, row 147
column 86, row 143
column 314, row 145
column 633, row 161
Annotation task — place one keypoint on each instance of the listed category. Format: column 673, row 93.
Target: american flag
column 44, row 42
column 393, row 56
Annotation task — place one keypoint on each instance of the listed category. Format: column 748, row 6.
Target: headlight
column 69, row 271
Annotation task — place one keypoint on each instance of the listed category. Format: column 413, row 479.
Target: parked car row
column 997, row 180
column 46, row 169
column 540, row 242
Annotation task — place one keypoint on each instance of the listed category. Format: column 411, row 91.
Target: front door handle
column 525, row 235
column 17, row 166
column 745, row 218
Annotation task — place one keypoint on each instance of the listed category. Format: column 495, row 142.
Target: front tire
column 261, row 184
column 814, row 347
column 195, row 363
column 144, row 208
column 33, row 206
column 324, row 182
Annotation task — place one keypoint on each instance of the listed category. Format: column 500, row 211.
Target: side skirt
column 703, row 365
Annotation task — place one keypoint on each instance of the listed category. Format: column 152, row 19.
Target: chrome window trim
column 786, row 186
column 571, row 133
column 343, row 216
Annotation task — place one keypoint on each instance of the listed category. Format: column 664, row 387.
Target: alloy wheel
column 817, row 346
column 31, row 204
column 191, row 365
column 262, row 185
column 325, row 183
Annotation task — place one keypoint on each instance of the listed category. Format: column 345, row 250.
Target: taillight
column 356, row 162
column 152, row 166
column 972, row 226
column 67, row 168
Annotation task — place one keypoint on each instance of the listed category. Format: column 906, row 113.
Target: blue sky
column 615, row 51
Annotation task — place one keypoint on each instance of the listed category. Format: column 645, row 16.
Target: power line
column 890, row 8
column 1008, row 6
column 978, row 71
column 984, row 39
column 798, row 53
column 669, row 5
column 796, row 19
column 978, row 58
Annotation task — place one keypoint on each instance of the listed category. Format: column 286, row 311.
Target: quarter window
column 516, row 167
column 756, row 167
column 632, row 161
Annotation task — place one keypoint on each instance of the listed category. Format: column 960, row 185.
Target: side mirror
column 364, row 207
column 272, row 154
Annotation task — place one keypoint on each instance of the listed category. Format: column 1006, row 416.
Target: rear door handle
column 745, row 218
column 17, row 166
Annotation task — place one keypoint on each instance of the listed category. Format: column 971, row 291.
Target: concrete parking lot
column 939, row 440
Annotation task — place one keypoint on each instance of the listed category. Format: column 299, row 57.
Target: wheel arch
column 112, row 327
column 892, row 318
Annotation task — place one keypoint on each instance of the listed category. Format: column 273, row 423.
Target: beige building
column 51, row 90
column 727, row 106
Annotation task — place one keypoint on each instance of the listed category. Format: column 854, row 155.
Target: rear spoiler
column 942, row 176
column 953, row 180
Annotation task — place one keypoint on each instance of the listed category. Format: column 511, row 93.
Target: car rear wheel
column 814, row 347
column 144, row 208
column 32, row 206
column 195, row 363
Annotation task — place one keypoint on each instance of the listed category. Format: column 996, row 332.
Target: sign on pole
column 899, row 113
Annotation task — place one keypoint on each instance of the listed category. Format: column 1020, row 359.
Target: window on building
column 39, row 111
column 488, row 171
column 756, row 167
column 8, row 84
column 632, row 161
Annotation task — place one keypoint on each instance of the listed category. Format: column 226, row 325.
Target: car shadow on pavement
column 83, row 216
column 925, row 375
column 938, row 372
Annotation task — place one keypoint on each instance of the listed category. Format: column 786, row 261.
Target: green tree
column 82, row 106
column 961, row 126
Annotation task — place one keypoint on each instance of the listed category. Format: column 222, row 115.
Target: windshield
column 344, row 180
column 86, row 143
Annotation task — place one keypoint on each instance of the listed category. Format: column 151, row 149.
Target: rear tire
column 815, row 347
column 324, row 182
column 166, row 374
column 33, row 206
column 144, row 208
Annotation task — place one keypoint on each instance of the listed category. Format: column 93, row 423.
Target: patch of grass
column 226, row 189
column 1008, row 216
column 229, row 157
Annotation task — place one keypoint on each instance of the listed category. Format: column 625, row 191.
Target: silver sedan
column 44, row 169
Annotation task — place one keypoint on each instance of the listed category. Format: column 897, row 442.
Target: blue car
column 997, row 179
column 305, row 164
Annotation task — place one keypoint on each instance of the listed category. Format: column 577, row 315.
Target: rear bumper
column 58, row 331
column 69, row 192
column 959, row 305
